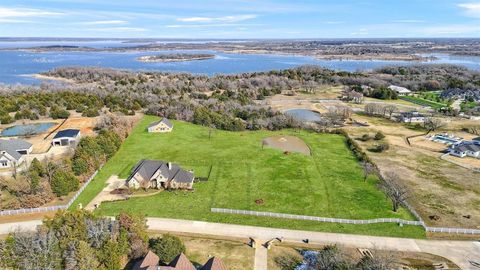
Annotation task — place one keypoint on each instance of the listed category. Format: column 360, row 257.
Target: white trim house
column 12, row 152
column 466, row 149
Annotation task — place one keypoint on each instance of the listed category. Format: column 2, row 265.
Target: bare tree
column 368, row 169
column 378, row 261
column 397, row 193
column 432, row 124
column 390, row 109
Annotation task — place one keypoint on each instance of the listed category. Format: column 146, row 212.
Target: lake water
column 18, row 66
column 304, row 115
column 30, row 129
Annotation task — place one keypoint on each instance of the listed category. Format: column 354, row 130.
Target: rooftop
column 12, row 146
column 164, row 120
column 67, row 133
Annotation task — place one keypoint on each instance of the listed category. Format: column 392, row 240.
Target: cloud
column 119, row 29
column 6, row 13
column 111, row 22
column 471, row 9
column 225, row 19
column 334, row 22
column 407, row 21
column 210, row 25
column 360, row 32
column 451, row 30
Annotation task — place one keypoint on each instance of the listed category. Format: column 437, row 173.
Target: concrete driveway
column 459, row 252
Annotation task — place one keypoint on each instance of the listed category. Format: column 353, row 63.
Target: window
column 3, row 163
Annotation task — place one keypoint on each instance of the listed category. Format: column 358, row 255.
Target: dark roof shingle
column 69, row 133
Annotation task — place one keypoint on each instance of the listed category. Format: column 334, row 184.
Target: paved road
column 459, row 252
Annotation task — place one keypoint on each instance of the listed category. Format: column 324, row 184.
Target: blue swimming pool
column 445, row 139
column 28, row 129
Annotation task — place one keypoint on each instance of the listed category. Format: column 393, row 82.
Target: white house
column 161, row 126
column 412, row 117
column 401, row 91
column 66, row 137
column 12, row 152
column 466, row 149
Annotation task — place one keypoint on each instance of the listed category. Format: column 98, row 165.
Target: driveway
column 112, row 183
column 459, row 252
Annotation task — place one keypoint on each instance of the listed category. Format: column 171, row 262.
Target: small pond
column 28, row 129
column 304, row 115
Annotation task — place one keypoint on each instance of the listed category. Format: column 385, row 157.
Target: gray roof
column 164, row 120
column 147, row 168
column 411, row 114
column 13, row 146
column 467, row 146
column 69, row 133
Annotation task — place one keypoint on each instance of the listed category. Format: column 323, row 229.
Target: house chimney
column 169, row 164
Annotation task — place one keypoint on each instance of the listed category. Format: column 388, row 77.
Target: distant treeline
column 224, row 101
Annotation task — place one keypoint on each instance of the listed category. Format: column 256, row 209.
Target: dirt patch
column 259, row 201
column 281, row 254
column 435, row 188
column 287, row 144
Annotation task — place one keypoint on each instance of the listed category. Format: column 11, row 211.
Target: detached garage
column 67, row 137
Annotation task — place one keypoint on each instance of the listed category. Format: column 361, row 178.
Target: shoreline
column 154, row 59
column 316, row 54
column 40, row 76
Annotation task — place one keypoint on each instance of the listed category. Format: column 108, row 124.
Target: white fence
column 348, row 221
column 313, row 218
column 49, row 208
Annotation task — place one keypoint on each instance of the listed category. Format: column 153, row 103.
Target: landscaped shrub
column 59, row 113
column 379, row 148
column 167, row 247
column 352, row 145
column 63, row 182
column 364, row 138
column 6, row 119
column 379, row 136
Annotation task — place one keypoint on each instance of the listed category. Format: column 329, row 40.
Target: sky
column 239, row 19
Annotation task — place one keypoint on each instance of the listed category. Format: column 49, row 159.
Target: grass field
column 424, row 102
column 329, row 183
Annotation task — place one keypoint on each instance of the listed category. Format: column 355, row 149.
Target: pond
column 28, row 129
column 304, row 115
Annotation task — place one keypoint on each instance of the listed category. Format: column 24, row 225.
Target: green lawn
column 424, row 102
column 329, row 183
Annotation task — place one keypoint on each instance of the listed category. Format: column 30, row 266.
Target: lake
column 304, row 115
column 18, row 66
column 28, row 129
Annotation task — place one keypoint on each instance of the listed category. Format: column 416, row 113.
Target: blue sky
column 240, row 18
